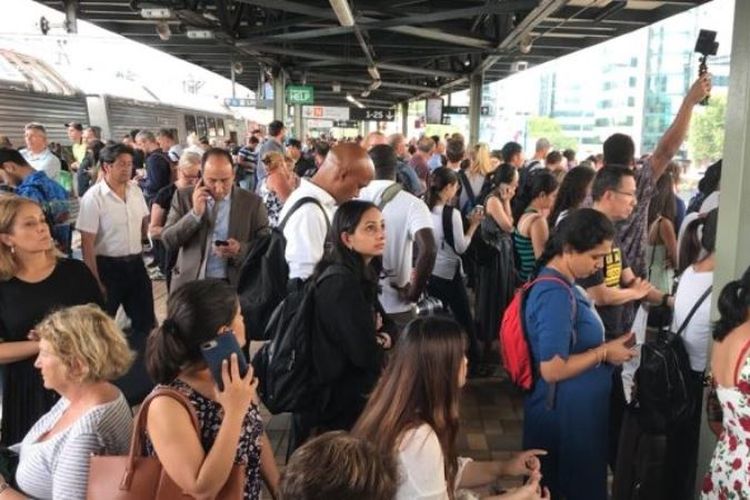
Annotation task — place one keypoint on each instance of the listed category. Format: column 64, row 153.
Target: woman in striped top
column 80, row 351
column 532, row 231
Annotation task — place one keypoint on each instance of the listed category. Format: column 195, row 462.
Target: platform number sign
column 372, row 114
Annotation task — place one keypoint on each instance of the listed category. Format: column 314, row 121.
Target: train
column 31, row 91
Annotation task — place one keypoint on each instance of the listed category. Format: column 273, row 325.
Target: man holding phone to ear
column 212, row 223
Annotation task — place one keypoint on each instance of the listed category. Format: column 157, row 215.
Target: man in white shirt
column 407, row 221
column 345, row 171
column 113, row 219
column 37, row 153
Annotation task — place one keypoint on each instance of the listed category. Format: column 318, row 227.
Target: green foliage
column 550, row 129
column 706, row 136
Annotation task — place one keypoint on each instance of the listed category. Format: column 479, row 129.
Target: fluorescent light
column 375, row 85
column 354, row 101
column 343, row 12
column 156, row 13
column 366, row 93
column 200, row 34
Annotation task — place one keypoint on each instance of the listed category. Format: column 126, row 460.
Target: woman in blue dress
column 567, row 412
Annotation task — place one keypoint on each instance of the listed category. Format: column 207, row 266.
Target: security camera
column 238, row 68
column 162, row 29
column 519, row 66
column 525, row 44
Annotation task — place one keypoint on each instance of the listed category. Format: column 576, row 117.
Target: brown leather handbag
column 136, row 477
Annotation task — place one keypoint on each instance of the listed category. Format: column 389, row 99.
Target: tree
column 545, row 127
column 706, row 136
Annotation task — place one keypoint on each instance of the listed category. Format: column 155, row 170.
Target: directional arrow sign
column 240, row 103
column 464, row 110
column 372, row 114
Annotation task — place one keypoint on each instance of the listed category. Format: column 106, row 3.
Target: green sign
column 299, row 94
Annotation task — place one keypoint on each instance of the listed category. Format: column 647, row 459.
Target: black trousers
column 453, row 294
column 681, row 460
column 617, row 406
column 129, row 286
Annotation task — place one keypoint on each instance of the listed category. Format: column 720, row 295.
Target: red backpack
column 514, row 344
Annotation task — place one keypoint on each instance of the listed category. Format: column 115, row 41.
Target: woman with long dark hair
column 348, row 324
column 230, row 425
column 730, row 368
column 447, row 280
column 661, row 250
column 413, row 413
column 567, row 413
column 530, row 214
column 694, row 289
column 574, row 189
column 496, row 270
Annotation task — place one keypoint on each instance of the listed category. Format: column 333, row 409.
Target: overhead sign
column 300, row 94
column 373, row 114
column 325, row 112
column 464, row 110
column 346, row 124
column 240, row 103
column 312, row 123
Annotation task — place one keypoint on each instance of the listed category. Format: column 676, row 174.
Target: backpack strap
column 552, row 387
column 740, row 361
column 297, row 205
column 467, row 185
column 388, row 194
column 692, row 312
column 448, row 226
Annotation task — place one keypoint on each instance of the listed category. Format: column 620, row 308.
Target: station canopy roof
column 382, row 52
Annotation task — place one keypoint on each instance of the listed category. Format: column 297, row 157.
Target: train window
column 190, row 125
column 220, row 127
column 202, row 129
column 211, row 126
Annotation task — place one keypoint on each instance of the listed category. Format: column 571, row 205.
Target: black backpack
column 264, row 275
column 663, row 397
column 284, row 366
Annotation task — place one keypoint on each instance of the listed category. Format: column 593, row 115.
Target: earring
column 12, row 249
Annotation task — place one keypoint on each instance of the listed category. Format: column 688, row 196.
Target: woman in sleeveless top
column 231, row 430
column 532, row 231
column 661, row 251
column 497, row 274
column 730, row 365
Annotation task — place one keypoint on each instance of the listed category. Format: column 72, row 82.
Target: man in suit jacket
column 212, row 223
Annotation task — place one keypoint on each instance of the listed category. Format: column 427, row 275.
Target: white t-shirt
column 45, row 161
column 448, row 260
column 117, row 224
column 708, row 204
column 697, row 334
column 422, row 469
column 306, row 229
column 404, row 216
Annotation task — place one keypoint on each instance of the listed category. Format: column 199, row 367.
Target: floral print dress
column 273, row 203
column 729, row 475
column 210, row 415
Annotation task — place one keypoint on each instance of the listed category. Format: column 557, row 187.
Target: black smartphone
column 221, row 243
column 217, row 350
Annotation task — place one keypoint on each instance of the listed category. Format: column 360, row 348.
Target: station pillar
column 279, row 97
column 733, row 236
column 299, row 123
column 405, row 118
column 475, row 106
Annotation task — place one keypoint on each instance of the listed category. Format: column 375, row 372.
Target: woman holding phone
column 231, row 431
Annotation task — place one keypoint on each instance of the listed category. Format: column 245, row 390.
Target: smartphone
column 479, row 209
column 217, row 350
column 221, row 243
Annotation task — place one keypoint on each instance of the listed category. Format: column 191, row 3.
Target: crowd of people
column 380, row 229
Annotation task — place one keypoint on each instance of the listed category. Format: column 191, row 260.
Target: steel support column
column 733, row 237
column 475, row 106
column 405, row 118
column 299, row 123
column 279, row 97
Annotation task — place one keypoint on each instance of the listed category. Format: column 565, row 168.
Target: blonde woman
column 473, row 180
column 276, row 186
column 33, row 282
column 81, row 351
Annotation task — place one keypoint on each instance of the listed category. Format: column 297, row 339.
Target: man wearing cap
column 78, row 146
column 37, row 154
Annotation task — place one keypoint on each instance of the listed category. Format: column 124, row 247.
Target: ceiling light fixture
column 163, row 30
column 374, row 73
column 343, row 12
column 200, row 34
column 156, row 13
column 352, row 100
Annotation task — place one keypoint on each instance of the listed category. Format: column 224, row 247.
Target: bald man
column 346, row 169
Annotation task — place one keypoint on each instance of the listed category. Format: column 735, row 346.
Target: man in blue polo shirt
column 36, row 185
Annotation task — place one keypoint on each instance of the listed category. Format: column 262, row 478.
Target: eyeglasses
column 625, row 193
